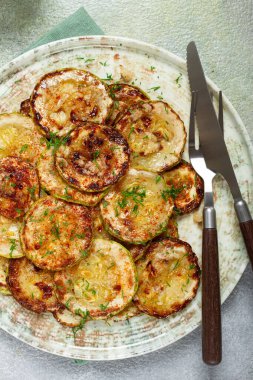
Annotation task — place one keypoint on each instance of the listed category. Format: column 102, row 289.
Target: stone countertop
column 223, row 31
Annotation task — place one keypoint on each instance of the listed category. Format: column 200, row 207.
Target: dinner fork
column 211, row 314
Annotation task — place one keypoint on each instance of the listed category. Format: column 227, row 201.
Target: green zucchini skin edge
column 113, row 232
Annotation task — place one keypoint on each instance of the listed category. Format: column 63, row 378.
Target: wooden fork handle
column 211, row 307
column 246, row 225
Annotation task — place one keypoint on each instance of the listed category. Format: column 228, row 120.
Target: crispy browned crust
column 196, row 276
column 124, row 96
column 184, row 197
column 47, row 300
column 19, row 187
column 38, row 118
column 25, row 108
column 81, row 168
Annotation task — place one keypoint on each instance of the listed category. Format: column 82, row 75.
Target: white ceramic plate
column 156, row 71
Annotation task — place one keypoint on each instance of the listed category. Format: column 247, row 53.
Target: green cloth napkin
column 78, row 24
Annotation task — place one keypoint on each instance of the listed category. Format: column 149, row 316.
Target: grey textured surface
column 223, row 31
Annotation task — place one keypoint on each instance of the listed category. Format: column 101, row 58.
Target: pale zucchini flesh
column 185, row 186
column 168, row 278
column 19, row 136
column 99, row 231
column 93, row 158
column 4, row 267
column 9, row 238
column 155, row 133
column 19, row 187
column 56, row 234
column 101, row 285
column 137, row 208
column 32, row 287
column 53, row 183
column 64, row 98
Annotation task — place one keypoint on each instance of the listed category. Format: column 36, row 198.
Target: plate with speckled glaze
column 160, row 74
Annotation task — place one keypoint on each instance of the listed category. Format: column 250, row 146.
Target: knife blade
column 213, row 145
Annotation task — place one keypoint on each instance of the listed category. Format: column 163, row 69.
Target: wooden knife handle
column 247, row 232
column 246, row 224
column 211, row 306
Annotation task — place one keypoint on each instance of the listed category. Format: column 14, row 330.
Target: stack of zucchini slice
column 92, row 182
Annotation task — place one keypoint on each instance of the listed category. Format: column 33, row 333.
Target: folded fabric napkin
column 78, row 24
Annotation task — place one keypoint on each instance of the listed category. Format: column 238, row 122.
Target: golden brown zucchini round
column 4, row 268
column 93, row 158
column 66, row 318
column 155, row 133
column 52, row 182
column 168, row 278
column 19, row 187
column 19, row 137
column 124, row 96
column 186, row 187
column 56, row 234
column 101, row 285
column 32, row 287
column 137, row 208
column 61, row 99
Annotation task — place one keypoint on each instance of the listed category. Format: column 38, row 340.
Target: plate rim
column 107, row 40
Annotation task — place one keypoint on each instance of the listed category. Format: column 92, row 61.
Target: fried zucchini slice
column 186, row 187
column 155, row 133
column 9, row 238
column 19, row 187
column 25, row 108
column 124, row 96
column 53, row 183
column 168, row 278
column 19, row 137
column 56, row 234
column 32, row 287
column 4, row 267
column 101, row 285
column 93, row 158
column 137, row 208
column 66, row 318
column 63, row 98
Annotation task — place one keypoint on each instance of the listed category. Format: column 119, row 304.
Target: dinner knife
column 213, row 145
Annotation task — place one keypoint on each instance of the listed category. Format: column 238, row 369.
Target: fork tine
column 220, row 117
column 192, row 120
